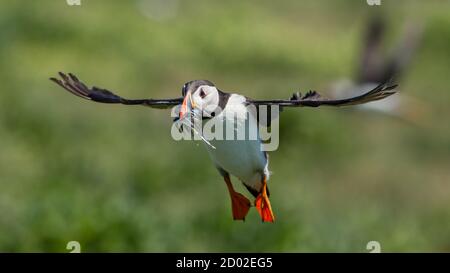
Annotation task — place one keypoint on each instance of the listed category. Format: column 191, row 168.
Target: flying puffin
column 243, row 159
column 375, row 67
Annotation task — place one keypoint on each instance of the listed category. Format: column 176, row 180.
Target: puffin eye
column 202, row 94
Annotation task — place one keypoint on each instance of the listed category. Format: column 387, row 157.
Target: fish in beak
column 189, row 109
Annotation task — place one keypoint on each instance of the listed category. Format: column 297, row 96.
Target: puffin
column 374, row 67
column 240, row 158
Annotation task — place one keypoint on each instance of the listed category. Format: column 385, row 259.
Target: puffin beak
column 187, row 105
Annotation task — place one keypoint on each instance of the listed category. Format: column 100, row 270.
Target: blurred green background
column 112, row 178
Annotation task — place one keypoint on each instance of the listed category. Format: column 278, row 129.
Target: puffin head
column 201, row 98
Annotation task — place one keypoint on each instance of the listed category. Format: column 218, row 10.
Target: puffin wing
column 314, row 99
column 71, row 83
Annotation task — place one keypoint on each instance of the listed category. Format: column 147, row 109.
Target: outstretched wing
column 71, row 83
column 314, row 99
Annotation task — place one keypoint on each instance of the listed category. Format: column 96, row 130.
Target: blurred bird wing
column 374, row 66
column 403, row 53
column 71, row 83
column 370, row 68
column 314, row 99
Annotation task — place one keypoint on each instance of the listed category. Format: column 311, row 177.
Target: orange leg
column 263, row 206
column 239, row 203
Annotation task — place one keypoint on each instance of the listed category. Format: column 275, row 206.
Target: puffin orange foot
column 239, row 205
column 263, row 206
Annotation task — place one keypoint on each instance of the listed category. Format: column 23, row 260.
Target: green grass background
column 112, row 178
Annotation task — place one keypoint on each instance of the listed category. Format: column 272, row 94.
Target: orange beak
column 187, row 105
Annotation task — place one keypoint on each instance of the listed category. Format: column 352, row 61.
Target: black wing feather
column 314, row 99
column 72, row 84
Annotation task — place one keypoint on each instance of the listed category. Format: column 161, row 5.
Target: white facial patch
column 206, row 98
